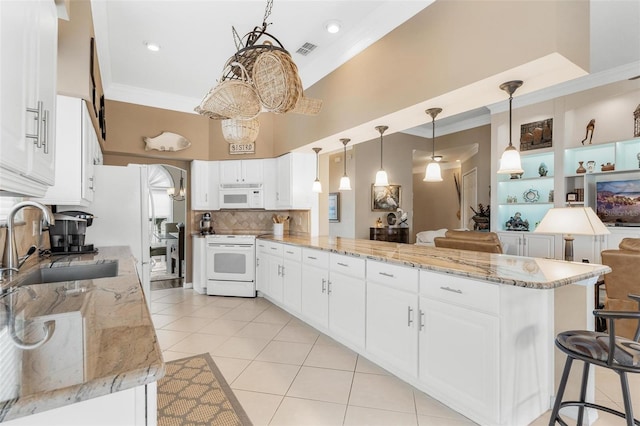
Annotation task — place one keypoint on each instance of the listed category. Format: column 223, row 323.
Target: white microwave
column 241, row 196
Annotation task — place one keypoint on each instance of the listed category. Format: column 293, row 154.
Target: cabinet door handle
column 257, row 262
column 289, row 252
column 453, row 290
column 343, row 264
column 45, row 132
column 329, row 287
column 312, row 258
column 283, row 270
column 324, row 285
column 421, row 319
column 279, row 270
column 273, row 248
column 409, row 319
column 38, row 112
column 91, row 183
column 206, row 197
column 386, row 274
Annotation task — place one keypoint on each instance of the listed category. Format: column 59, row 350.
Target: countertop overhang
column 504, row 269
column 108, row 318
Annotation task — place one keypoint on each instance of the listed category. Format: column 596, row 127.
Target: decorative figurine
column 515, row 223
column 591, row 166
column 543, row 169
column 607, row 167
column 590, row 127
column 403, row 218
column 379, row 223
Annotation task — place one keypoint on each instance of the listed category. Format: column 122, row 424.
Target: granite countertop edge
column 481, row 266
column 151, row 371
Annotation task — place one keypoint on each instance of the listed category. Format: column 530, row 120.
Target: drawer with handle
column 317, row 258
column 478, row 295
column 274, row 249
column 292, row 252
column 348, row 265
column 399, row 277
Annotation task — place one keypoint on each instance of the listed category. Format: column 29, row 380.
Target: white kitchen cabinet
column 199, row 265
column 528, row 244
column 269, row 267
column 28, row 46
column 392, row 331
column 76, row 155
column 292, row 278
column 346, row 291
column 459, row 355
column 262, row 280
column 315, row 281
column 294, row 177
column 204, row 185
column 241, row 171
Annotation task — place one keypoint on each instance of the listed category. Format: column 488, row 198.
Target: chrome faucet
column 10, row 260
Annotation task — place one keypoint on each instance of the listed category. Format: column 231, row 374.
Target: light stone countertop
column 104, row 339
column 505, row 269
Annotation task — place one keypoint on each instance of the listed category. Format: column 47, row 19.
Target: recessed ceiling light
column 332, row 26
column 152, row 46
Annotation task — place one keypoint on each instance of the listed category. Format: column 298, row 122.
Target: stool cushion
column 596, row 345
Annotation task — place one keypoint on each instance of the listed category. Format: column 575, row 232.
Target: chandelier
column 260, row 77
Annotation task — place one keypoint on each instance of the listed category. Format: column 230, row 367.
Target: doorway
column 167, row 218
column 469, row 197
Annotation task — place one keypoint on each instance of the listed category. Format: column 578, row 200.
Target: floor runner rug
column 194, row 392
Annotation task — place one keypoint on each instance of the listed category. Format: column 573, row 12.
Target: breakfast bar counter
column 102, row 341
column 499, row 268
column 473, row 330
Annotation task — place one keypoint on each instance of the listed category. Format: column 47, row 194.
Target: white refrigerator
column 121, row 209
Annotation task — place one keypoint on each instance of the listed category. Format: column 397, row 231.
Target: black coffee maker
column 68, row 233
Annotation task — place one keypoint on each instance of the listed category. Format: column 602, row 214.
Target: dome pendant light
column 345, row 182
column 432, row 172
column 381, row 176
column 317, row 186
column 510, row 160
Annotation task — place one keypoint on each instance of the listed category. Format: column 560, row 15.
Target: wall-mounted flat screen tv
column 618, row 202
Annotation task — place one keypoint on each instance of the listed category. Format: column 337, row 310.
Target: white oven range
column 231, row 265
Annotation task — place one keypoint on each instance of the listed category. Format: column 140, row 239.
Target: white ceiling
column 196, row 40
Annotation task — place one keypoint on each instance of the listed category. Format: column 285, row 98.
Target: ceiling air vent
column 306, row 48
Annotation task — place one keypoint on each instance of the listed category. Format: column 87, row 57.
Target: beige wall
column 435, row 204
column 424, row 58
column 347, row 225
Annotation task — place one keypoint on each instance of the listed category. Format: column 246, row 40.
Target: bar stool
column 605, row 350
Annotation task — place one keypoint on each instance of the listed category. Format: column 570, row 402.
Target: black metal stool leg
column 583, row 391
column 563, row 385
column 628, row 408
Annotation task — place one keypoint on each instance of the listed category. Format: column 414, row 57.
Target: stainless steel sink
column 85, row 271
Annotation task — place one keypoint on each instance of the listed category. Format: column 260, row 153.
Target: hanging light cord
column 433, row 137
column 510, row 112
column 345, row 142
column 317, row 150
column 381, row 129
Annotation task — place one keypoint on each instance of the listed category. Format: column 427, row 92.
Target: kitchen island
column 473, row 330
column 102, row 359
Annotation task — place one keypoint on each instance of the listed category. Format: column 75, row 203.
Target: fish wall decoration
column 166, row 141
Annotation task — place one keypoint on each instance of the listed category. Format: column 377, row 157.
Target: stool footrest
column 592, row 405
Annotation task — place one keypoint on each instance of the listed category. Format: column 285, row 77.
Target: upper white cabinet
column 77, row 153
column 241, row 171
column 295, row 175
column 204, row 185
column 28, row 58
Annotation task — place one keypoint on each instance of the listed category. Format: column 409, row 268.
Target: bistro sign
column 242, row 148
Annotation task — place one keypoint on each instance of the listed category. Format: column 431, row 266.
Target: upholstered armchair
column 487, row 242
column 622, row 281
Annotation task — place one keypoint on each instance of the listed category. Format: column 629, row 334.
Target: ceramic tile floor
column 285, row 372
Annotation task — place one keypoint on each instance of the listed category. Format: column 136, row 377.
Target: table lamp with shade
column 571, row 221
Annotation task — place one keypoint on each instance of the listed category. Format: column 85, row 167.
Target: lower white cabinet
column 292, row 278
column 272, row 262
column 528, row 244
column 315, row 282
column 459, row 355
column 392, row 331
column 199, row 265
column 347, row 299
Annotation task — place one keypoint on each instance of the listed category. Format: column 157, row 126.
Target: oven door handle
column 231, row 246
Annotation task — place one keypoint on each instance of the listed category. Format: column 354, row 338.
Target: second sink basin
column 85, row 271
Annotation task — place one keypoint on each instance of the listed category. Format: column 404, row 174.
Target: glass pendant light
column 381, row 176
column 345, row 182
column 433, row 173
column 317, row 186
column 510, row 160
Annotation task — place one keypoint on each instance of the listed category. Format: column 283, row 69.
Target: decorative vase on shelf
column 581, row 168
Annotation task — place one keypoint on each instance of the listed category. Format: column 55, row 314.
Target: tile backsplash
column 255, row 220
